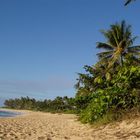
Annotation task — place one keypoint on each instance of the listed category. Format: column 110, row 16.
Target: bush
column 96, row 108
column 121, row 96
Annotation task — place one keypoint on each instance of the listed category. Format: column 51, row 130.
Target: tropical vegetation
column 107, row 90
column 57, row 105
column 118, row 45
column 111, row 86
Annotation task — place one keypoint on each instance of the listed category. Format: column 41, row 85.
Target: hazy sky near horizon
column 44, row 43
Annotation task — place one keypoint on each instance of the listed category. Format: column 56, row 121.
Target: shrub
column 123, row 95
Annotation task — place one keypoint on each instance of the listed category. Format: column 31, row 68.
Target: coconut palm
column 118, row 45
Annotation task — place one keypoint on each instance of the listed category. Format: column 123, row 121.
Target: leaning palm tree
column 118, row 45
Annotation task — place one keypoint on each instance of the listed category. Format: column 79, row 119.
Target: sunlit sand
column 47, row 126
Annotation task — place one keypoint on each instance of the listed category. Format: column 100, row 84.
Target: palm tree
column 118, row 45
column 128, row 1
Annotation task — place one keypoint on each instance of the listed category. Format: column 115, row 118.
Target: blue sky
column 44, row 43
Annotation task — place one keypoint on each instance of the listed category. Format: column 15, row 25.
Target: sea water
column 8, row 113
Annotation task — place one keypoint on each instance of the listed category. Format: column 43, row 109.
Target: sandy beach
column 47, row 126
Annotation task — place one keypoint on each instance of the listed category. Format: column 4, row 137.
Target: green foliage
column 124, row 94
column 118, row 45
column 82, row 102
column 112, row 86
column 59, row 104
column 96, row 108
column 95, row 78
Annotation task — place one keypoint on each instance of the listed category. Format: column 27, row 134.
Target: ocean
column 8, row 113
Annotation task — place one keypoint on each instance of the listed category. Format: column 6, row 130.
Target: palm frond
column 104, row 54
column 131, row 41
column 115, row 58
column 135, row 53
column 119, row 40
column 109, row 36
column 134, row 48
column 128, row 1
column 104, row 46
column 115, row 31
column 123, row 26
column 135, row 59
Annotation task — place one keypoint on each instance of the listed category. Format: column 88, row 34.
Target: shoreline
column 16, row 113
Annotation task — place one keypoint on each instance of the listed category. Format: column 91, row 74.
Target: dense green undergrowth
column 121, row 94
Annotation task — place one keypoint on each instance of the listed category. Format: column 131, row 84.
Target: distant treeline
column 59, row 104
